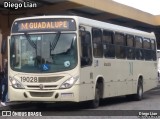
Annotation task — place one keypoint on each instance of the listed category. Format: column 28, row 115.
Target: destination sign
column 43, row 25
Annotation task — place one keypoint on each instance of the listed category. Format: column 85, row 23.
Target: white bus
column 74, row 59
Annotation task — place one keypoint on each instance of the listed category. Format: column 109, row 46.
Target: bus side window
column 153, row 48
column 108, row 46
column 147, row 49
column 130, row 51
column 97, row 43
column 138, row 47
column 120, row 45
column 86, row 52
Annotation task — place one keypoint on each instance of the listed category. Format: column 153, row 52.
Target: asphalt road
column 119, row 106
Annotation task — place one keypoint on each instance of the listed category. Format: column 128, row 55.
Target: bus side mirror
column 3, row 46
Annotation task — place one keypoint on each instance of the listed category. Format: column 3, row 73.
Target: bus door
column 86, row 74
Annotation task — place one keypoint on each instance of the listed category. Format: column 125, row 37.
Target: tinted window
column 147, row 54
column 86, row 51
column 138, row 50
column 147, row 49
column 138, row 42
column 97, row 42
column 130, row 40
column 153, row 47
column 139, row 54
column 107, row 37
column 120, row 45
column 120, row 51
column 119, row 39
column 108, row 46
column 130, row 52
column 153, row 44
column 146, row 43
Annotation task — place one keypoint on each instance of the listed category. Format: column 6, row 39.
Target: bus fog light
column 69, row 83
column 16, row 84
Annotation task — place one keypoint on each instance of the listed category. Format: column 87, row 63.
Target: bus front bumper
column 59, row 95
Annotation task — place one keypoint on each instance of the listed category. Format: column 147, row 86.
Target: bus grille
column 41, row 94
column 49, row 79
column 45, row 87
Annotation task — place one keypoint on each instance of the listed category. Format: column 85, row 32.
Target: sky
column 149, row 6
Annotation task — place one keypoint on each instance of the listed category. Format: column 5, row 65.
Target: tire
column 95, row 102
column 139, row 95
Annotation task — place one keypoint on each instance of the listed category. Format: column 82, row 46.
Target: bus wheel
column 139, row 94
column 95, row 102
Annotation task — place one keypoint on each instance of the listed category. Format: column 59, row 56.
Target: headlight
column 69, row 82
column 16, row 84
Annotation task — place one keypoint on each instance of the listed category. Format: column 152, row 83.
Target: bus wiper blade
column 55, row 41
column 30, row 41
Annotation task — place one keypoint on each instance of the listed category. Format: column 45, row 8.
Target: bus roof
column 97, row 24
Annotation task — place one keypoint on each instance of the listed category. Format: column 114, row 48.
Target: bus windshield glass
column 45, row 53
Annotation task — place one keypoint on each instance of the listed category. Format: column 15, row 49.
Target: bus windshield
column 45, row 53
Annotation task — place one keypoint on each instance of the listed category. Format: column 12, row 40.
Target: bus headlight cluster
column 69, row 82
column 16, row 84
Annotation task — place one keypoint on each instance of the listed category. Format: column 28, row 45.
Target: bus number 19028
column 29, row 79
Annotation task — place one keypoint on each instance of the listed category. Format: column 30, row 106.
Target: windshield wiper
column 55, row 41
column 30, row 41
